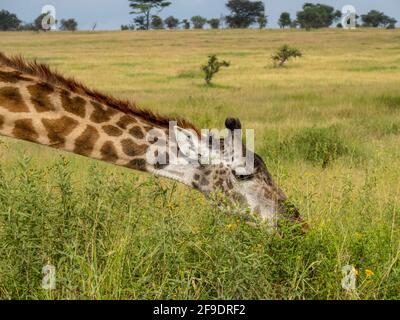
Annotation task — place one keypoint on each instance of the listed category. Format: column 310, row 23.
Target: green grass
column 328, row 127
column 113, row 236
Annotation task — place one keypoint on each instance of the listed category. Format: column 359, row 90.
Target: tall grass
column 330, row 138
column 112, row 236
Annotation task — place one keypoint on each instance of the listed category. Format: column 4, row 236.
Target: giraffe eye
column 242, row 177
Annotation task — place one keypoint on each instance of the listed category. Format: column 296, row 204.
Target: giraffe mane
column 45, row 73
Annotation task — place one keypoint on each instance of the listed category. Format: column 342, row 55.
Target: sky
column 110, row 14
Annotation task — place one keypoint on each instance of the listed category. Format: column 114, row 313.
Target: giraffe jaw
column 178, row 172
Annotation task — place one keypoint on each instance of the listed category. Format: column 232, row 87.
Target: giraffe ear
column 233, row 124
column 188, row 142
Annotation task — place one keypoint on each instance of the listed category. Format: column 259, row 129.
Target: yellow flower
column 369, row 273
column 171, row 206
column 231, row 226
column 355, row 271
column 257, row 247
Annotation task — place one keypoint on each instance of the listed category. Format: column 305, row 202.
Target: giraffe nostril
column 289, row 211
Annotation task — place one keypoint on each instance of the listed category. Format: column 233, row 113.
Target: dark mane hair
column 47, row 74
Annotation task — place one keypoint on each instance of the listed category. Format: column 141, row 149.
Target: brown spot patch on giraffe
column 108, row 152
column 101, row 113
column 112, row 131
column 204, row 182
column 137, row 132
column 84, row 144
column 1, row 122
column 148, row 128
column 195, row 185
column 23, row 129
column 133, row 149
column 12, row 77
column 59, row 129
column 11, row 99
column 138, row 164
column 125, row 121
column 74, row 105
column 40, row 97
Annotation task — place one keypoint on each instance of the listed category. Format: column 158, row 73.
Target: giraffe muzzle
column 291, row 213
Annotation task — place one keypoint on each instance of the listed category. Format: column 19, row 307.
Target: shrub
column 284, row 54
column 212, row 67
column 318, row 145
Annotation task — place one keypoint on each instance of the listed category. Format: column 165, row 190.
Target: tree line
column 242, row 14
column 10, row 22
column 247, row 13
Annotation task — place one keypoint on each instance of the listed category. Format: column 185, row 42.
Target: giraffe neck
column 37, row 111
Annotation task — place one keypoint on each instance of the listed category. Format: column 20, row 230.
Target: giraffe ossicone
column 41, row 106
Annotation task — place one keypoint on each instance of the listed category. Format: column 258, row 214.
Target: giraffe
column 39, row 105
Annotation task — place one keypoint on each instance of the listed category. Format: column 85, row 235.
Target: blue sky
column 110, row 14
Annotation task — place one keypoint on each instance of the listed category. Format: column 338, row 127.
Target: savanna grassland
column 327, row 125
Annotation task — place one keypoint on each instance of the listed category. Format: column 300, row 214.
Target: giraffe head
column 227, row 169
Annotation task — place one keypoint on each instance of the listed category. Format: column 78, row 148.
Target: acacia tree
column 244, row 13
column 214, row 23
column 186, row 24
column 140, row 23
column 68, row 25
column 9, row 21
column 37, row 24
column 157, row 23
column 317, row 16
column 285, row 20
column 127, row 27
column 198, row 22
column 284, row 54
column 262, row 21
column 143, row 9
column 376, row 19
column 171, row 22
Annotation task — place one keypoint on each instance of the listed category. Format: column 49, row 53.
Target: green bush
column 284, row 54
column 317, row 145
column 212, row 68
